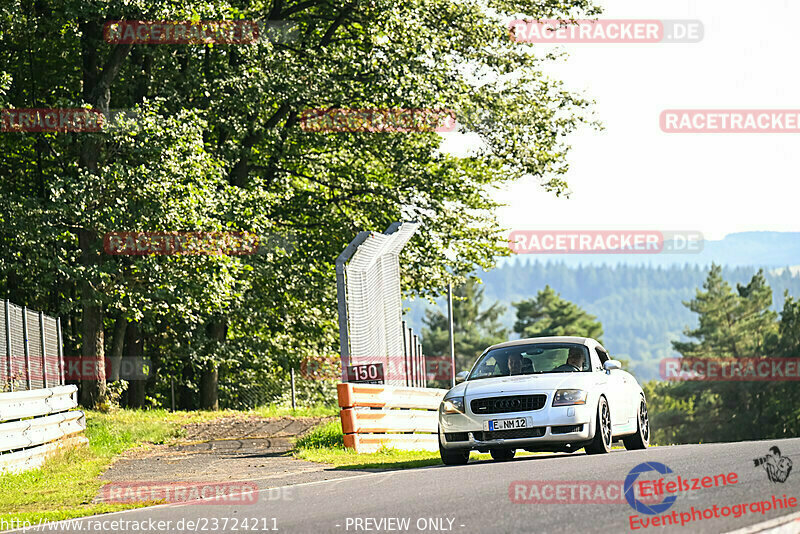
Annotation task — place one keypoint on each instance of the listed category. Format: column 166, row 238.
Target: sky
column 634, row 176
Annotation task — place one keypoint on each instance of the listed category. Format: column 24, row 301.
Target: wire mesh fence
column 32, row 356
column 371, row 328
column 277, row 391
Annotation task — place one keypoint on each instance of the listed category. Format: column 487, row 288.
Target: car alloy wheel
column 601, row 443
column 641, row 439
column 644, row 422
column 606, row 422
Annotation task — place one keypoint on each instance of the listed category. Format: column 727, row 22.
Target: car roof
column 589, row 342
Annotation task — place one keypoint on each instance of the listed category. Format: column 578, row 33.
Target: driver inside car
column 515, row 364
column 574, row 363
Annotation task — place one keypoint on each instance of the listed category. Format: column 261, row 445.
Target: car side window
column 603, row 355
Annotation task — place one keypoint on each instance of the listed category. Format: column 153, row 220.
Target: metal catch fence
column 32, row 356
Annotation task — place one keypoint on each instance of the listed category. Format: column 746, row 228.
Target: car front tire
column 641, row 439
column 453, row 457
column 601, row 444
column 502, row 455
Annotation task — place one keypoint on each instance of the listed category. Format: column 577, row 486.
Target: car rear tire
column 502, row 455
column 641, row 439
column 454, row 457
column 601, row 444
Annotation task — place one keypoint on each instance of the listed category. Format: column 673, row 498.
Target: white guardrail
column 36, row 423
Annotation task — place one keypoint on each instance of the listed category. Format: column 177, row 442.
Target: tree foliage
column 212, row 141
column 731, row 325
column 550, row 315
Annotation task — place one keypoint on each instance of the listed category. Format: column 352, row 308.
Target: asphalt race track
column 475, row 497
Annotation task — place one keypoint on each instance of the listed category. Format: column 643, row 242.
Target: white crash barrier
column 36, row 423
column 17, row 462
column 36, row 402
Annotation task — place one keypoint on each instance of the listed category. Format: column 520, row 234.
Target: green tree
column 731, row 324
column 550, row 315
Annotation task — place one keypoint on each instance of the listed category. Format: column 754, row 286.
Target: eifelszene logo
column 777, row 467
column 636, row 504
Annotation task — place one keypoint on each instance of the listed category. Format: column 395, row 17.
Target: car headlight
column 452, row 405
column 567, row 397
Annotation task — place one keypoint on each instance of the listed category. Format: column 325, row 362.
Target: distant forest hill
column 640, row 307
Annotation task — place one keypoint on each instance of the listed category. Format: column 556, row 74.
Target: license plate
column 507, row 424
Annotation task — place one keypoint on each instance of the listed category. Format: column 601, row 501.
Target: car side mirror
column 460, row 377
column 610, row 365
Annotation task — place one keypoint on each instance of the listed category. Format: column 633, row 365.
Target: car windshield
column 535, row 358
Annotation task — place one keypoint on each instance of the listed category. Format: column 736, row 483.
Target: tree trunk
column 186, row 398
column 118, row 342
column 151, row 341
column 209, row 400
column 136, row 384
column 208, row 388
column 93, row 388
column 97, row 80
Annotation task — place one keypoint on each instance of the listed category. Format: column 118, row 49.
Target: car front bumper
column 546, row 427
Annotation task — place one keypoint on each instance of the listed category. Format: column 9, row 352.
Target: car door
column 618, row 392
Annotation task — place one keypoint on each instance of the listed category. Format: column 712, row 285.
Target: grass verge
column 68, row 482
column 325, row 444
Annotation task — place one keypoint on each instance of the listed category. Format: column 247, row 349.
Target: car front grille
column 533, row 432
column 566, row 429
column 513, row 403
column 456, row 436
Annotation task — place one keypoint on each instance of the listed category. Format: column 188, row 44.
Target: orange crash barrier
column 375, row 416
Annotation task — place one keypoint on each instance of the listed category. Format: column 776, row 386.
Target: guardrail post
column 8, row 346
column 61, row 378
column 416, row 359
column 405, row 351
column 423, row 371
column 27, row 347
column 44, row 352
column 294, row 404
column 412, row 370
column 424, row 367
column 419, row 362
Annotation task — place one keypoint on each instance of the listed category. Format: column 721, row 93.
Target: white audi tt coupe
column 556, row 394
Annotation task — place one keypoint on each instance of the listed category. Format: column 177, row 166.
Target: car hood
column 526, row 383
